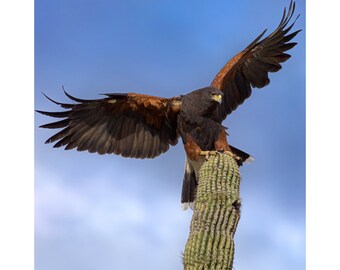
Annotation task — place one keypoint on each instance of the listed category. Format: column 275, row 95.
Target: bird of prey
column 142, row 126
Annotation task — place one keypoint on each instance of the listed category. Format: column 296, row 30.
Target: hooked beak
column 217, row 98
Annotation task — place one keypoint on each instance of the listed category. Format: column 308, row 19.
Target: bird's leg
column 222, row 146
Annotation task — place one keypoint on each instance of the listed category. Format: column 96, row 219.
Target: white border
column 16, row 188
column 323, row 222
column 16, row 135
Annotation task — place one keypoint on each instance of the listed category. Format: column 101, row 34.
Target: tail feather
column 245, row 157
column 189, row 188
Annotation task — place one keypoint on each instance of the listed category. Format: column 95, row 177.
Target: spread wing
column 131, row 125
column 250, row 67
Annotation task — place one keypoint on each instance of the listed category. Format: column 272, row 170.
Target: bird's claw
column 207, row 154
column 236, row 157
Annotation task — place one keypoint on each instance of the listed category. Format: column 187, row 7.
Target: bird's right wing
column 131, row 125
column 250, row 67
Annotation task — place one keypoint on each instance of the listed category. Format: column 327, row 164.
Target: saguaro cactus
column 216, row 215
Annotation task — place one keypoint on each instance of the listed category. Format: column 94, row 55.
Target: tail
column 245, row 157
column 189, row 188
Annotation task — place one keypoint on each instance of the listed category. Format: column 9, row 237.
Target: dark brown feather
column 250, row 67
column 131, row 125
column 55, row 114
column 58, row 135
column 58, row 124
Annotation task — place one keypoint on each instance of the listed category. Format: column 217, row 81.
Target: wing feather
column 135, row 139
column 131, row 125
column 141, row 141
column 249, row 68
column 128, row 136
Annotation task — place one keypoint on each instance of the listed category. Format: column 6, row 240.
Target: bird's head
column 203, row 101
column 215, row 95
column 208, row 95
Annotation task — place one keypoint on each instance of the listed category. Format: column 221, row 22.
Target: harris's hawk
column 143, row 126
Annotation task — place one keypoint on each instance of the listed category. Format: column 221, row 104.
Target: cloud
column 100, row 223
column 114, row 223
column 269, row 236
column 93, row 204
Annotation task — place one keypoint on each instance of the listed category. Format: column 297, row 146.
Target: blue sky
column 108, row 212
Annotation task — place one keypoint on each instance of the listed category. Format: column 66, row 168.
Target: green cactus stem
column 216, row 215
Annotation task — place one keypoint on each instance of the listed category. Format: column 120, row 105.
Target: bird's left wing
column 131, row 125
column 250, row 67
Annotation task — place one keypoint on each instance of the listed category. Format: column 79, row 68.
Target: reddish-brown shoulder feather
column 250, row 67
column 131, row 125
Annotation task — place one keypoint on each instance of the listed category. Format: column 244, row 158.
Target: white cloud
column 90, row 205
column 107, row 214
column 268, row 236
column 98, row 222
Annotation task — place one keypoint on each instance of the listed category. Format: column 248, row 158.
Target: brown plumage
column 250, row 67
column 131, row 125
column 142, row 126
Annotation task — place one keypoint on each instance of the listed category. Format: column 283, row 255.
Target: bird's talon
column 237, row 158
column 207, row 154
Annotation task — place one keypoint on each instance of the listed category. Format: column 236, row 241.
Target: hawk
column 142, row 126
